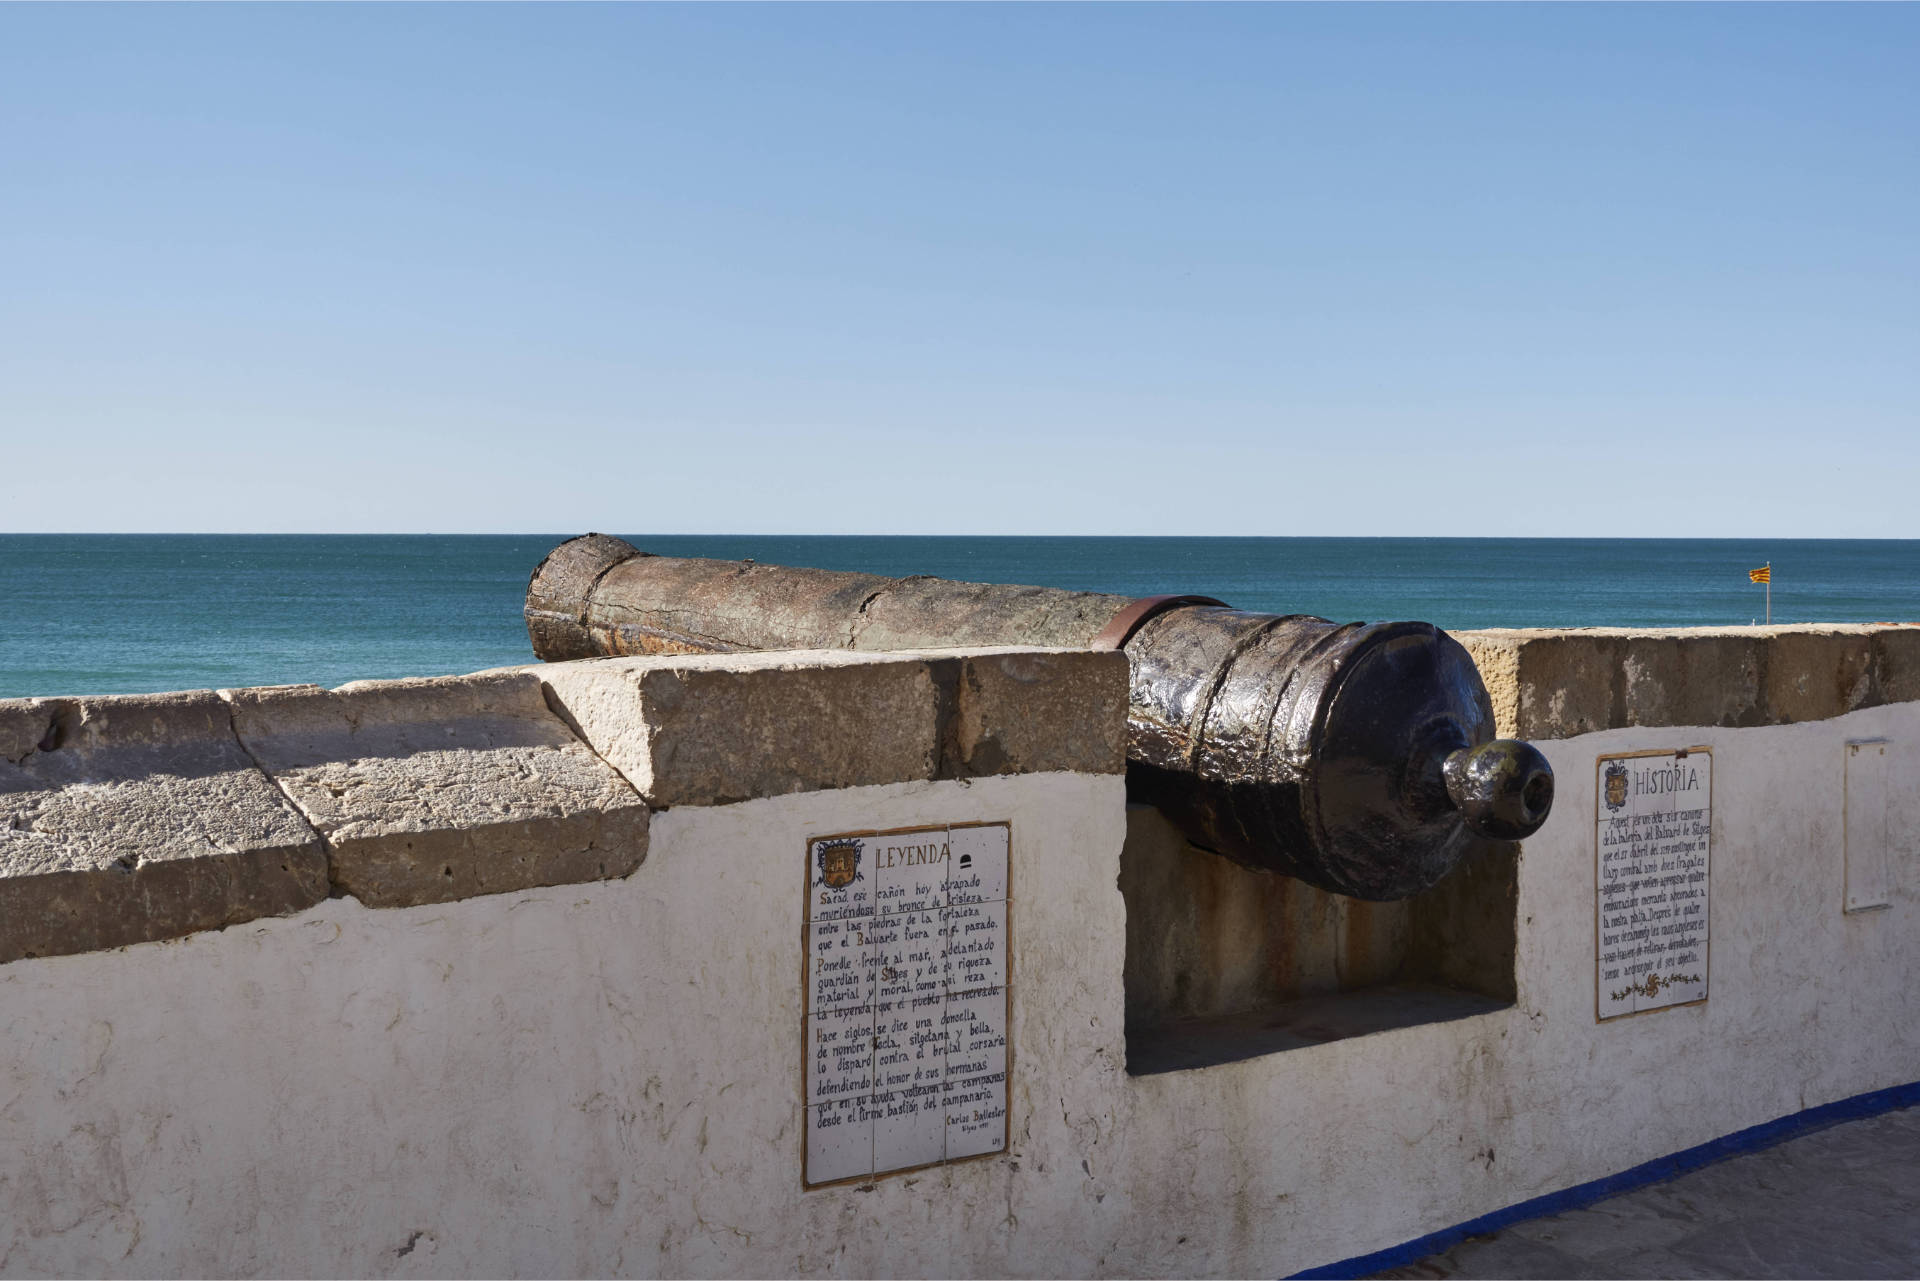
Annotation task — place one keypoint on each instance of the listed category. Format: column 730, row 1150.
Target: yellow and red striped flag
column 1764, row 574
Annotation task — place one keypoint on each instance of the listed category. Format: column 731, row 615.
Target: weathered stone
column 1544, row 683
column 1670, row 678
column 439, row 789
column 716, row 728
column 135, row 818
column 1549, row 683
column 1896, row 663
column 709, row 729
column 1206, row 937
column 1032, row 712
column 1499, row 664
column 1816, row 673
column 1465, row 930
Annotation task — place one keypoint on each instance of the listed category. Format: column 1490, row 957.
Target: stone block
column 1813, row 674
column 1497, row 655
column 1036, row 711
column 136, row 818
column 438, row 789
column 1896, row 662
column 1548, row 683
column 710, row 729
column 1680, row 678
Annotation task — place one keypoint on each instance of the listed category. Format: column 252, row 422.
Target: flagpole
column 1764, row 574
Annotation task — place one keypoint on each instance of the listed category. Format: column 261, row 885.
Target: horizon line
column 1544, row 538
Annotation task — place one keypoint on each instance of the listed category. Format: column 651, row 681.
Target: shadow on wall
column 1227, row 963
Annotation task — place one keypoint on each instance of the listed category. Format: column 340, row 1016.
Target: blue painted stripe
column 1752, row 1139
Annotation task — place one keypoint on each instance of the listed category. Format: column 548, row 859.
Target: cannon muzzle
column 1503, row 789
column 1359, row 757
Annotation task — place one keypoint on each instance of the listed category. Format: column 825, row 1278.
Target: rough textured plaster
column 1274, row 1165
column 603, row 1078
column 584, row 1080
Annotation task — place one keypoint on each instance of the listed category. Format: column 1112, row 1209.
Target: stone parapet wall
column 517, row 986
column 713, row 729
column 1558, row 682
column 137, row 818
column 527, row 987
column 129, row 819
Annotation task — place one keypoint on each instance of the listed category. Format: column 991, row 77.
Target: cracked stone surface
column 1839, row 1202
column 712, row 729
column 431, row 790
column 134, row 818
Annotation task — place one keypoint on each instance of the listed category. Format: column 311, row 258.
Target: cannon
column 1358, row 757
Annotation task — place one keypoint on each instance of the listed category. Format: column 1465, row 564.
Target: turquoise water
column 112, row 613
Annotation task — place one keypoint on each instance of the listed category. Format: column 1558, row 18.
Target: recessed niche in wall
column 1226, row 963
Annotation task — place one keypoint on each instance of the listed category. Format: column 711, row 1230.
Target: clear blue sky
column 1235, row 270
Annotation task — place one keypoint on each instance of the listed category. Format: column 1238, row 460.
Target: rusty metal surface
column 933, row 613
column 560, row 588
column 609, row 598
column 1349, row 755
column 1121, row 627
column 670, row 605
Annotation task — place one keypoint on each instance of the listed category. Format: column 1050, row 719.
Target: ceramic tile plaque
column 1653, row 813
column 906, row 985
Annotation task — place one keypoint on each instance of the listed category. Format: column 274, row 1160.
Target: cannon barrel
column 1359, row 757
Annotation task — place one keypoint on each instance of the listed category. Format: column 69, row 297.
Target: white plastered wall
column 604, row 1078
column 1305, row 1158
column 587, row 1080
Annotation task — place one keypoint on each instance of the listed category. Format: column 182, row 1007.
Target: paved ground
column 1840, row 1202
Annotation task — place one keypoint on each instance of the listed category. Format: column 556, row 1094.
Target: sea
column 128, row 613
